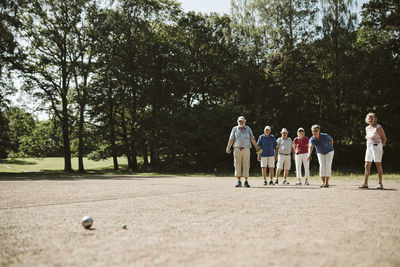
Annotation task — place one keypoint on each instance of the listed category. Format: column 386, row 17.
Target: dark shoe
column 322, row 185
column 276, row 181
column 363, row 186
column 326, row 185
column 239, row 184
column 265, row 182
column 271, row 183
column 298, row 183
column 285, row 182
column 246, row 184
column 306, row 183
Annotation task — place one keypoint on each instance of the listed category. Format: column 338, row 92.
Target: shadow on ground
column 17, row 162
column 71, row 176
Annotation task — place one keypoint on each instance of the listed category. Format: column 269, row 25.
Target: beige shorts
column 268, row 162
column 284, row 162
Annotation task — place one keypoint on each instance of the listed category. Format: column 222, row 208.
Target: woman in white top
column 376, row 139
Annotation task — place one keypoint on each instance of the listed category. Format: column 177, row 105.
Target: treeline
column 145, row 80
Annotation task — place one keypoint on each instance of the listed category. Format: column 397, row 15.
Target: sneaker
column 363, row 186
column 379, row 186
column 326, row 185
column 276, row 181
column 246, row 184
column 265, row 182
column 306, row 183
column 285, row 182
column 239, row 184
column 298, row 183
column 322, row 185
column 271, row 183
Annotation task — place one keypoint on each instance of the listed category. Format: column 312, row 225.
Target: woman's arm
column 381, row 133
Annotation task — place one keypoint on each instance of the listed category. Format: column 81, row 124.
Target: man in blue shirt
column 267, row 158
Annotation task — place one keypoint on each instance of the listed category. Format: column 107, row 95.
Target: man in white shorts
column 285, row 152
column 267, row 143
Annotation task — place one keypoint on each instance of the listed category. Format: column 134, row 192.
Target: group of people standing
column 283, row 150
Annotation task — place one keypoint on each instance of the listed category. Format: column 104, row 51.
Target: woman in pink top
column 376, row 139
column 301, row 151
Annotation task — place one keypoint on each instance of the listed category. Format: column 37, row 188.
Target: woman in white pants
column 301, row 153
column 324, row 146
column 376, row 139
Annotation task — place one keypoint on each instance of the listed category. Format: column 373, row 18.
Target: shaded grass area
column 26, row 168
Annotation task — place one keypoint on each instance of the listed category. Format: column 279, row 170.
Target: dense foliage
column 145, row 80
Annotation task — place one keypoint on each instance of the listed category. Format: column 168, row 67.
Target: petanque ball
column 87, row 222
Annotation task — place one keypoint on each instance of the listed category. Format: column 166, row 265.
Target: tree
column 49, row 29
column 21, row 124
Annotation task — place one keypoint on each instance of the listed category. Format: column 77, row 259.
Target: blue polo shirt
column 322, row 145
column 267, row 144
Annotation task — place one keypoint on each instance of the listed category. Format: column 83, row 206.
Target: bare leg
column 327, row 180
column 264, row 173
column 380, row 171
column 278, row 173
column 238, row 178
column 245, row 178
column 323, row 179
column 367, row 171
column 285, row 174
column 271, row 173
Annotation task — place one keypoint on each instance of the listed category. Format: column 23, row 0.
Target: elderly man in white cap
column 241, row 138
column 267, row 157
column 285, row 150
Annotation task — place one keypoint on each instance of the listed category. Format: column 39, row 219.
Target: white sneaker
column 379, row 186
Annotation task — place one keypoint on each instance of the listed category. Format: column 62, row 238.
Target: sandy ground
column 190, row 221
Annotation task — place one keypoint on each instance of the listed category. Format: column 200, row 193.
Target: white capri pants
column 374, row 153
column 302, row 159
column 284, row 162
column 241, row 161
column 325, row 164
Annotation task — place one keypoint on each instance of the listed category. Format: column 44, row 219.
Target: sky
column 223, row 6
column 206, row 6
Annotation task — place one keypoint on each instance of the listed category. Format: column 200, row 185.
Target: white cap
column 267, row 128
column 284, row 130
column 300, row 129
column 241, row 118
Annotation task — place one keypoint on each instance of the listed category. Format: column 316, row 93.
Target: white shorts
column 284, row 162
column 268, row 162
column 374, row 153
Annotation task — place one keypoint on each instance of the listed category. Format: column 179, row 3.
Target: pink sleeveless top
column 372, row 135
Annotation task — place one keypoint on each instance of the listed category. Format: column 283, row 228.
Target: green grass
column 19, row 165
column 55, row 166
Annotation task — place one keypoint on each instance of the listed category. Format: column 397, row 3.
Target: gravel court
column 197, row 221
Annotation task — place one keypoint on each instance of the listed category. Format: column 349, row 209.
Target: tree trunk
column 113, row 146
column 125, row 139
column 65, row 134
column 80, row 137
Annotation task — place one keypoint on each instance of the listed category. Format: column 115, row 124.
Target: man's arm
column 310, row 150
column 228, row 147
column 253, row 141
